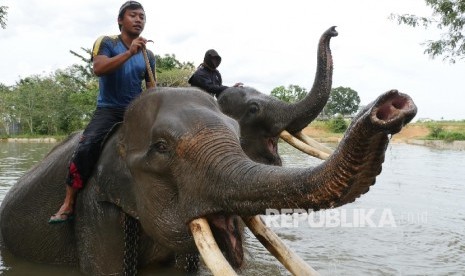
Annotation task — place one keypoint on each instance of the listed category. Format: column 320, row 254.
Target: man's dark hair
column 129, row 5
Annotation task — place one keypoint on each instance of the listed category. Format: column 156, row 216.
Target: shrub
column 437, row 132
column 337, row 124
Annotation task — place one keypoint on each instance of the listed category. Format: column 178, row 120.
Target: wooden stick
column 277, row 248
column 149, row 69
column 211, row 253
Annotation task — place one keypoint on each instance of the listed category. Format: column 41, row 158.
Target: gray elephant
column 176, row 158
column 262, row 117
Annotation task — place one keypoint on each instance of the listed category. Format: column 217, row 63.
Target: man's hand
column 238, row 84
column 137, row 45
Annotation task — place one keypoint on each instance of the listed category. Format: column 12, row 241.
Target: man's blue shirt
column 120, row 87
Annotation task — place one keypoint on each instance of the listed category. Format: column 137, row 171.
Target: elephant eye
column 159, row 146
column 253, row 108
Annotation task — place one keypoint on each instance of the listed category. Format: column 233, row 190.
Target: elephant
column 263, row 117
column 175, row 158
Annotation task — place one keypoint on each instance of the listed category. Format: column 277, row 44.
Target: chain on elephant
column 131, row 241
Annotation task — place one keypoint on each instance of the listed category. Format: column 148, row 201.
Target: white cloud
column 263, row 43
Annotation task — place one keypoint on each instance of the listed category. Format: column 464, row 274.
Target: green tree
column 38, row 102
column 342, row 100
column 171, row 72
column 292, row 93
column 26, row 101
column 449, row 16
column 83, row 74
column 79, row 86
column 64, row 101
column 7, row 108
column 78, row 98
column 337, row 124
column 3, row 14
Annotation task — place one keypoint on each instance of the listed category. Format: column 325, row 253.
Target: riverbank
column 31, row 140
column 414, row 134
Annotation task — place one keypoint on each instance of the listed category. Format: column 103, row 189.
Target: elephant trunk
column 247, row 188
column 306, row 110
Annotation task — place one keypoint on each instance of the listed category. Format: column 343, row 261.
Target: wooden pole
column 152, row 77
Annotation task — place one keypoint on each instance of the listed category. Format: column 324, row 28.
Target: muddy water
column 411, row 222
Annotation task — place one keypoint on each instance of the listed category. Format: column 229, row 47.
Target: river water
column 411, row 222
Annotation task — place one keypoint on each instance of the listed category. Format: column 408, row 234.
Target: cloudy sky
column 264, row 44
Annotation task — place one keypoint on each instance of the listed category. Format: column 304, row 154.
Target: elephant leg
column 100, row 236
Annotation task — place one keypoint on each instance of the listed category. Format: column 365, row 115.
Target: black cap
column 133, row 5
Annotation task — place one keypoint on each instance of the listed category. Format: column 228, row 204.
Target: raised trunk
column 306, row 110
column 247, row 188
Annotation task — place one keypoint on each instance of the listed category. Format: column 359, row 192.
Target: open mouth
column 227, row 231
column 272, row 145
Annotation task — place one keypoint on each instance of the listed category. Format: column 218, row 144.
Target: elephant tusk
column 208, row 248
column 277, row 248
column 298, row 144
column 313, row 143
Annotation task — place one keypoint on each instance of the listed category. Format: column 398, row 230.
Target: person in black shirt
column 207, row 77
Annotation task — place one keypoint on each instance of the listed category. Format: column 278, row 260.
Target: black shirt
column 208, row 80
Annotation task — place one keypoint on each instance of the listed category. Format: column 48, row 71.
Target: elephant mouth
column 272, row 157
column 263, row 149
column 272, row 145
column 227, row 231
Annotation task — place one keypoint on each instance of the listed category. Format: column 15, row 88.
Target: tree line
column 63, row 101
column 343, row 101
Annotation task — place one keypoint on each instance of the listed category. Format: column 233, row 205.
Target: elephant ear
column 114, row 181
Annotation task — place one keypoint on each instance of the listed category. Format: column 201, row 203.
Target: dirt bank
column 410, row 132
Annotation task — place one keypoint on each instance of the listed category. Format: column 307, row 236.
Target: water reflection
column 422, row 188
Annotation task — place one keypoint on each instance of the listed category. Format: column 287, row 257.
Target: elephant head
column 180, row 158
column 262, row 117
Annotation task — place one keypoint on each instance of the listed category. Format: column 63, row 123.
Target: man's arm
column 204, row 82
column 104, row 65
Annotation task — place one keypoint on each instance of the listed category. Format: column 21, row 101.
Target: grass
column 446, row 130
column 33, row 136
column 438, row 130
